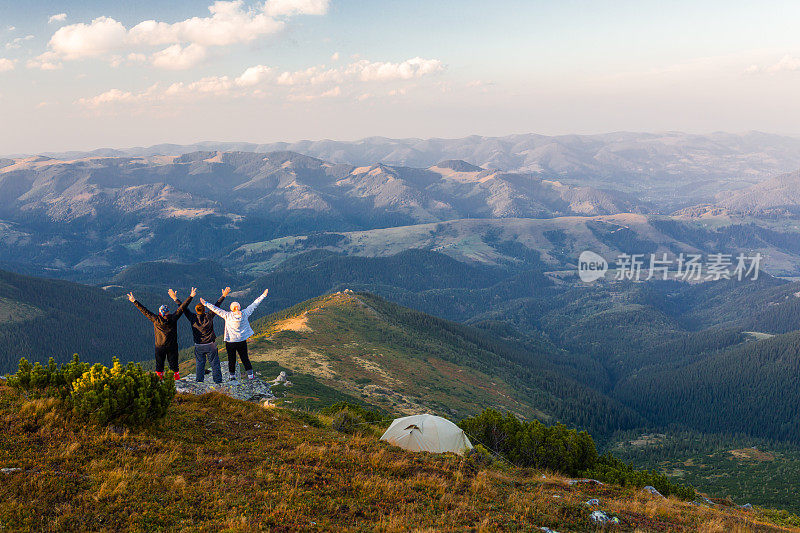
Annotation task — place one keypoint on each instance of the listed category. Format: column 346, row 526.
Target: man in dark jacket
column 165, row 328
column 205, row 338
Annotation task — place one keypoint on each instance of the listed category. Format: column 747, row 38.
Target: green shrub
column 51, row 377
column 609, row 469
column 532, row 443
column 347, row 422
column 479, row 457
column 125, row 394
column 122, row 393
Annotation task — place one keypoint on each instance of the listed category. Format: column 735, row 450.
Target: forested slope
column 41, row 318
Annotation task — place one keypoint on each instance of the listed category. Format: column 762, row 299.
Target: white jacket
column 237, row 325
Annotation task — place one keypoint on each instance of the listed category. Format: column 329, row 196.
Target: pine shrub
column 610, row 469
column 125, row 394
column 346, row 421
column 121, row 393
column 532, row 443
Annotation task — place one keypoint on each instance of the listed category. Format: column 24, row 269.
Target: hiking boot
column 251, row 375
column 233, row 377
column 176, row 376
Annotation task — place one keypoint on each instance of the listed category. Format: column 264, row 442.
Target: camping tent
column 427, row 433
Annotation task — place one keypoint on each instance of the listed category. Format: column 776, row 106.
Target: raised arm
column 182, row 307
column 214, row 309
column 186, row 310
column 225, row 292
column 146, row 312
column 256, row 303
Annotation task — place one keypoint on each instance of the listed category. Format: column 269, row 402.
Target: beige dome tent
column 427, row 433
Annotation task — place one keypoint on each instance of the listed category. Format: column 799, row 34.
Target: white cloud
column 210, row 86
column 383, row 71
column 6, row 64
column 60, row 17
column 310, row 76
column 17, row 43
column 108, row 97
column 229, row 22
column 177, row 57
column 787, row 63
column 77, row 41
column 332, row 93
column 254, row 76
column 313, row 83
column 335, row 56
column 277, row 8
column 45, row 61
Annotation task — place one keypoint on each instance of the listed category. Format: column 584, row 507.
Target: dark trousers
column 170, row 353
column 241, row 348
column 201, row 352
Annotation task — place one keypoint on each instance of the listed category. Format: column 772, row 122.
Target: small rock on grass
column 653, row 491
column 587, row 481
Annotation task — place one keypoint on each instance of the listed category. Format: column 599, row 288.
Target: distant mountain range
column 679, row 164
column 235, row 184
column 104, row 212
column 89, row 217
column 775, row 197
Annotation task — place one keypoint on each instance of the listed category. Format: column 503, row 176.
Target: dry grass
column 218, row 464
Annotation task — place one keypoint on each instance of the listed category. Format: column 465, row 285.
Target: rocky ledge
column 253, row 390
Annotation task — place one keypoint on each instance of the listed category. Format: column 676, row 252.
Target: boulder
column 252, row 390
column 653, row 491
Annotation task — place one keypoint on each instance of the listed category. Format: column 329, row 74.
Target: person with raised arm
column 237, row 331
column 165, row 329
column 205, row 338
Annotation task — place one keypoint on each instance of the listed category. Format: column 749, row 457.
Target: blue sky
column 80, row 75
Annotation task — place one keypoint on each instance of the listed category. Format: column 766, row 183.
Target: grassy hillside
column 408, row 361
column 219, row 464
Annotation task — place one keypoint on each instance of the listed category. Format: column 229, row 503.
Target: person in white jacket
column 237, row 331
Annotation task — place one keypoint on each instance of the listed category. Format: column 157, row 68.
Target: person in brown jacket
column 165, row 329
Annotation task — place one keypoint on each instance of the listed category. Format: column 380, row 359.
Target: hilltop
column 217, row 463
column 406, row 361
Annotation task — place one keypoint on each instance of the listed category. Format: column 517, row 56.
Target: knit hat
column 163, row 310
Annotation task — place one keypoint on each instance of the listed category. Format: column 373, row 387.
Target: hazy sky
column 89, row 74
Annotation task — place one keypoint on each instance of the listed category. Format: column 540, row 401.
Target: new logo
column 591, row 266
